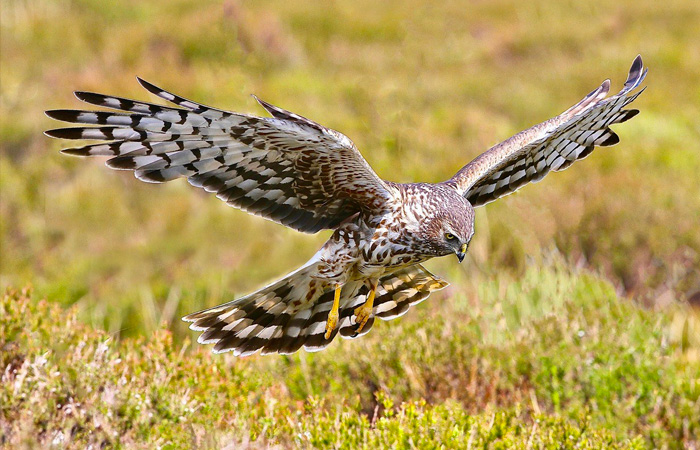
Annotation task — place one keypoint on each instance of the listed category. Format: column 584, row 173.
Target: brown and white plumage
column 287, row 168
column 272, row 319
column 298, row 173
column 552, row 145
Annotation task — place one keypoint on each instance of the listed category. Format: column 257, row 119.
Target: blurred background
column 420, row 89
column 577, row 296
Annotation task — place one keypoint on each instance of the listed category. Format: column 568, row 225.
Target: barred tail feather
column 285, row 316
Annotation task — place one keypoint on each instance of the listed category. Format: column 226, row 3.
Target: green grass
column 568, row 322
column 553, row 359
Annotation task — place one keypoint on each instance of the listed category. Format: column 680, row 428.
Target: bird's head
column 449, row 226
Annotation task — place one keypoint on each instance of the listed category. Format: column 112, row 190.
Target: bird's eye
column 449, row 236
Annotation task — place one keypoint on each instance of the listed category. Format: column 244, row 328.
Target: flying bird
column 293, row 171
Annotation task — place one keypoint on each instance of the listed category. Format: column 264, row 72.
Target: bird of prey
column 293, row 171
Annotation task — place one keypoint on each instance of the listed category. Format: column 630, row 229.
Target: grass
column 553, row 359
column 569, row 324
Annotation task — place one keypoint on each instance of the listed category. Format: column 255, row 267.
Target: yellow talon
column 333, row 314
column 364, row 312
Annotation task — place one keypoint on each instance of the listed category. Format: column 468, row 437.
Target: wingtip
column 57, row 133
column 64, row 115
column 150, row 87
column 143, row 82
column 65, row 133
column 75, row 152
column 603, row 90
column 87, row 97
column 636, row 74
column 630, row 113
column 262, row 102
column 124, row 162
column 611, row 140
column 270, row 108
column 637, row 64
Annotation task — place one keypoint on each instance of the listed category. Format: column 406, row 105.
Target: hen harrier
column 298, row 173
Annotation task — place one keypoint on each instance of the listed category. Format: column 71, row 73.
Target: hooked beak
column 462, row 252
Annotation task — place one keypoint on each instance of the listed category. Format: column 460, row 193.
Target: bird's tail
column 291, row 313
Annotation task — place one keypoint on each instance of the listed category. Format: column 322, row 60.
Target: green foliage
column 563, row 364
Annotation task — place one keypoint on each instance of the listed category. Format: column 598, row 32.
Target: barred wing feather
column 552, row 145
column 287, row 168
column 278, row 319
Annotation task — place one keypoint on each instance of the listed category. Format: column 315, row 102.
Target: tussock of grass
column 555, row 360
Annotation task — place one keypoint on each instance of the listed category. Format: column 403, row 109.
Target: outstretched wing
column 287, row 168
column 552, row 145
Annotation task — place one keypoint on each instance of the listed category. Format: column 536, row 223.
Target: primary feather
column 552, row 145
column 287, row 168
